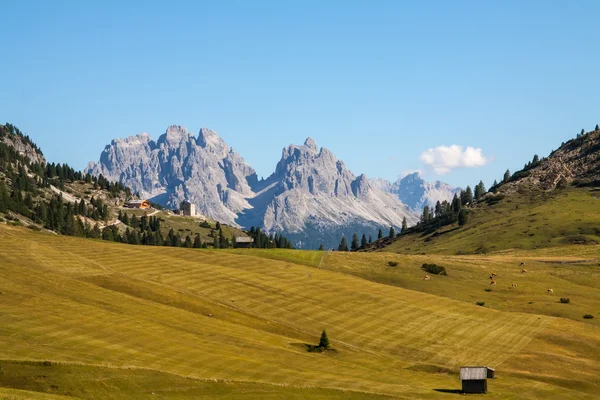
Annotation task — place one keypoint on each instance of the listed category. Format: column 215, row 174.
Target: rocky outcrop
column 12, row 137
column 574, row 162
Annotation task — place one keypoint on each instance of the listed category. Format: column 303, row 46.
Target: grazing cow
column 514, row 285
column 550, row 290
column 493, row 275
column 523, row 271
column 492, row 282
column 427, row 277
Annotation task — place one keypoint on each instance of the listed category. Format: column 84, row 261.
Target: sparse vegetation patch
column 434, row 269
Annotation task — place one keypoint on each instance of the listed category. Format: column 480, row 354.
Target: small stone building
column 188, row 209
column 474, row 379
column 243, row 242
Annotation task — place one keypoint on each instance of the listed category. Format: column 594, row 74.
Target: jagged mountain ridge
column 179, row 166
column 311, row 197
column 416, row 192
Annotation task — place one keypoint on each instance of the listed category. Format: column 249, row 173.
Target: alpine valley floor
column 97, row 320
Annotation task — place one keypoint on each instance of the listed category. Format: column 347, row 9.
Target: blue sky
column 379, row 82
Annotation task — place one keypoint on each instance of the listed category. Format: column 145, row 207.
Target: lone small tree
column 392, row 232
column 404, row 225
column 597, row 128
column 321, row 247
column 324, row 341
column 380, row 234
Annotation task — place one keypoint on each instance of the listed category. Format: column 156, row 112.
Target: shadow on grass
column 454, row 391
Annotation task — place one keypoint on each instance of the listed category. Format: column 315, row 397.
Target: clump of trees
column 271, row 241
column 434, row 269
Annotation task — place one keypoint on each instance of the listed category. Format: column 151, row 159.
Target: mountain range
column 312, row 197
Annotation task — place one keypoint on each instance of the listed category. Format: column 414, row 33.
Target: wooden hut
column 474, row 379
column 141, row 204
column 243, row 242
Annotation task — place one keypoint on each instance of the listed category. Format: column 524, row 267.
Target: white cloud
column 443, row 159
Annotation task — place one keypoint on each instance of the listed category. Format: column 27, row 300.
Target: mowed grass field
column 98, row 320
column 529, row 221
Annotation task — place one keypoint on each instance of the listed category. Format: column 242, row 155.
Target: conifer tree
column 370, row 239
column 343, row 245
column 392, row 232
column 468, row 198
column 215, row 242
column 321, row 247
column 462, row 217
column 354, row 246
column 197, row 242
column 597, row 128
column 363, row 242
column 506, row 176
column 380, row 234
column 482, row 188
column 324, row 341
column 404, row 225
column 188, row 242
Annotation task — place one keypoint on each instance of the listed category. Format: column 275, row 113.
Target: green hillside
column 95, row 319
column 528, row 220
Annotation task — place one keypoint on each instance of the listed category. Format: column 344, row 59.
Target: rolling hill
column 95, row 319
column 550, row 203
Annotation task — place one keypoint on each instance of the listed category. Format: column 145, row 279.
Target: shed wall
column 474, row 386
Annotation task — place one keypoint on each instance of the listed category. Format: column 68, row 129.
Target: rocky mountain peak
column 311, row 144
column 174, row 135
column 210, row 140
column 360, row 186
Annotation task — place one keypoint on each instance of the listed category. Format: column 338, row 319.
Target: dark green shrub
column 487, row 289
column 393, row 263
column 588, row 316
column 480, row 303
column 565, row 300
column 205, row 224
column 434, row 269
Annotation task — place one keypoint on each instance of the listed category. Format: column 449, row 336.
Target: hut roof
column 244, row 239
column 136, row 201
column 473, row 373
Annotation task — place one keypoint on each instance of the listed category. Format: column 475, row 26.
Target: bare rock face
column 316, row 199
column 312, row 197
column 179, row 166
column 23, row 146
column 575, row 162
column 417, row 193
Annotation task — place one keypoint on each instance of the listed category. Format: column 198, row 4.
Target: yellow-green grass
column 83, row 381
column 523, row 221
column 243, row 319
column 577, row 279
column 307, row 257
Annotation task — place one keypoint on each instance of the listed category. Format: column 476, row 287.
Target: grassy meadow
column 530, row 221
column 98, row 320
